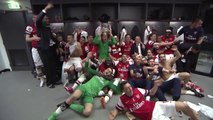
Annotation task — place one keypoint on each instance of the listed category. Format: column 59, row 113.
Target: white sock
column 58, row 111
column 80, row 80
column 110, row 93
column 106, row 98
column 75, row 85
column 189, row 92
column 101, row 93
column 41, row 82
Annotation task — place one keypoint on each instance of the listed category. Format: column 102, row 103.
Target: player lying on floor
column 86, row 92
column 134, row 101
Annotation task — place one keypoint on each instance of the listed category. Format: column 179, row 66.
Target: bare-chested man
column 74, row 61
column 173, row 76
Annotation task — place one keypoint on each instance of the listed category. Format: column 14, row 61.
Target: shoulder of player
column 142, row 91
column 186, row 28
column 78, row 43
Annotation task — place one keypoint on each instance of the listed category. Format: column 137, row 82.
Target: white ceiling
column 25, row 4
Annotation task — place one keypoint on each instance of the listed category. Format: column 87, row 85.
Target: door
column 12, row 29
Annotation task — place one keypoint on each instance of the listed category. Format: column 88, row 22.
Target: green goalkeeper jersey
column 96, row 84
column 103, row 47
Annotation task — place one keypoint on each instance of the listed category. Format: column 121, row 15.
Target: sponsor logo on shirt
column 136, row 106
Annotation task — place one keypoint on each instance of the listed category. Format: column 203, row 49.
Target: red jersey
column 166, row 39
column 137, row 104
column 90, row 47
column 31, row 30
column 126, row 48
column 159, row 49
column 149, row 44
column 115, row 51
column 122, row 68
column 102, row 67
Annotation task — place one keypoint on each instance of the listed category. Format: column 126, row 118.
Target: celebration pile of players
column 106, row 64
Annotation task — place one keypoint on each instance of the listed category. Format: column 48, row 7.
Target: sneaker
column 69, row 89
column 198, row 94
column 51, row 86
column 191, row 85
column 52, row 116
column 180, row 114
column 172, row 118
column 42, row 83
column 102, row 100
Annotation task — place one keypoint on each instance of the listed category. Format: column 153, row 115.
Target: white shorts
column 164, row 110
column 36, row 58
column 176, row 75
column 74, row 61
